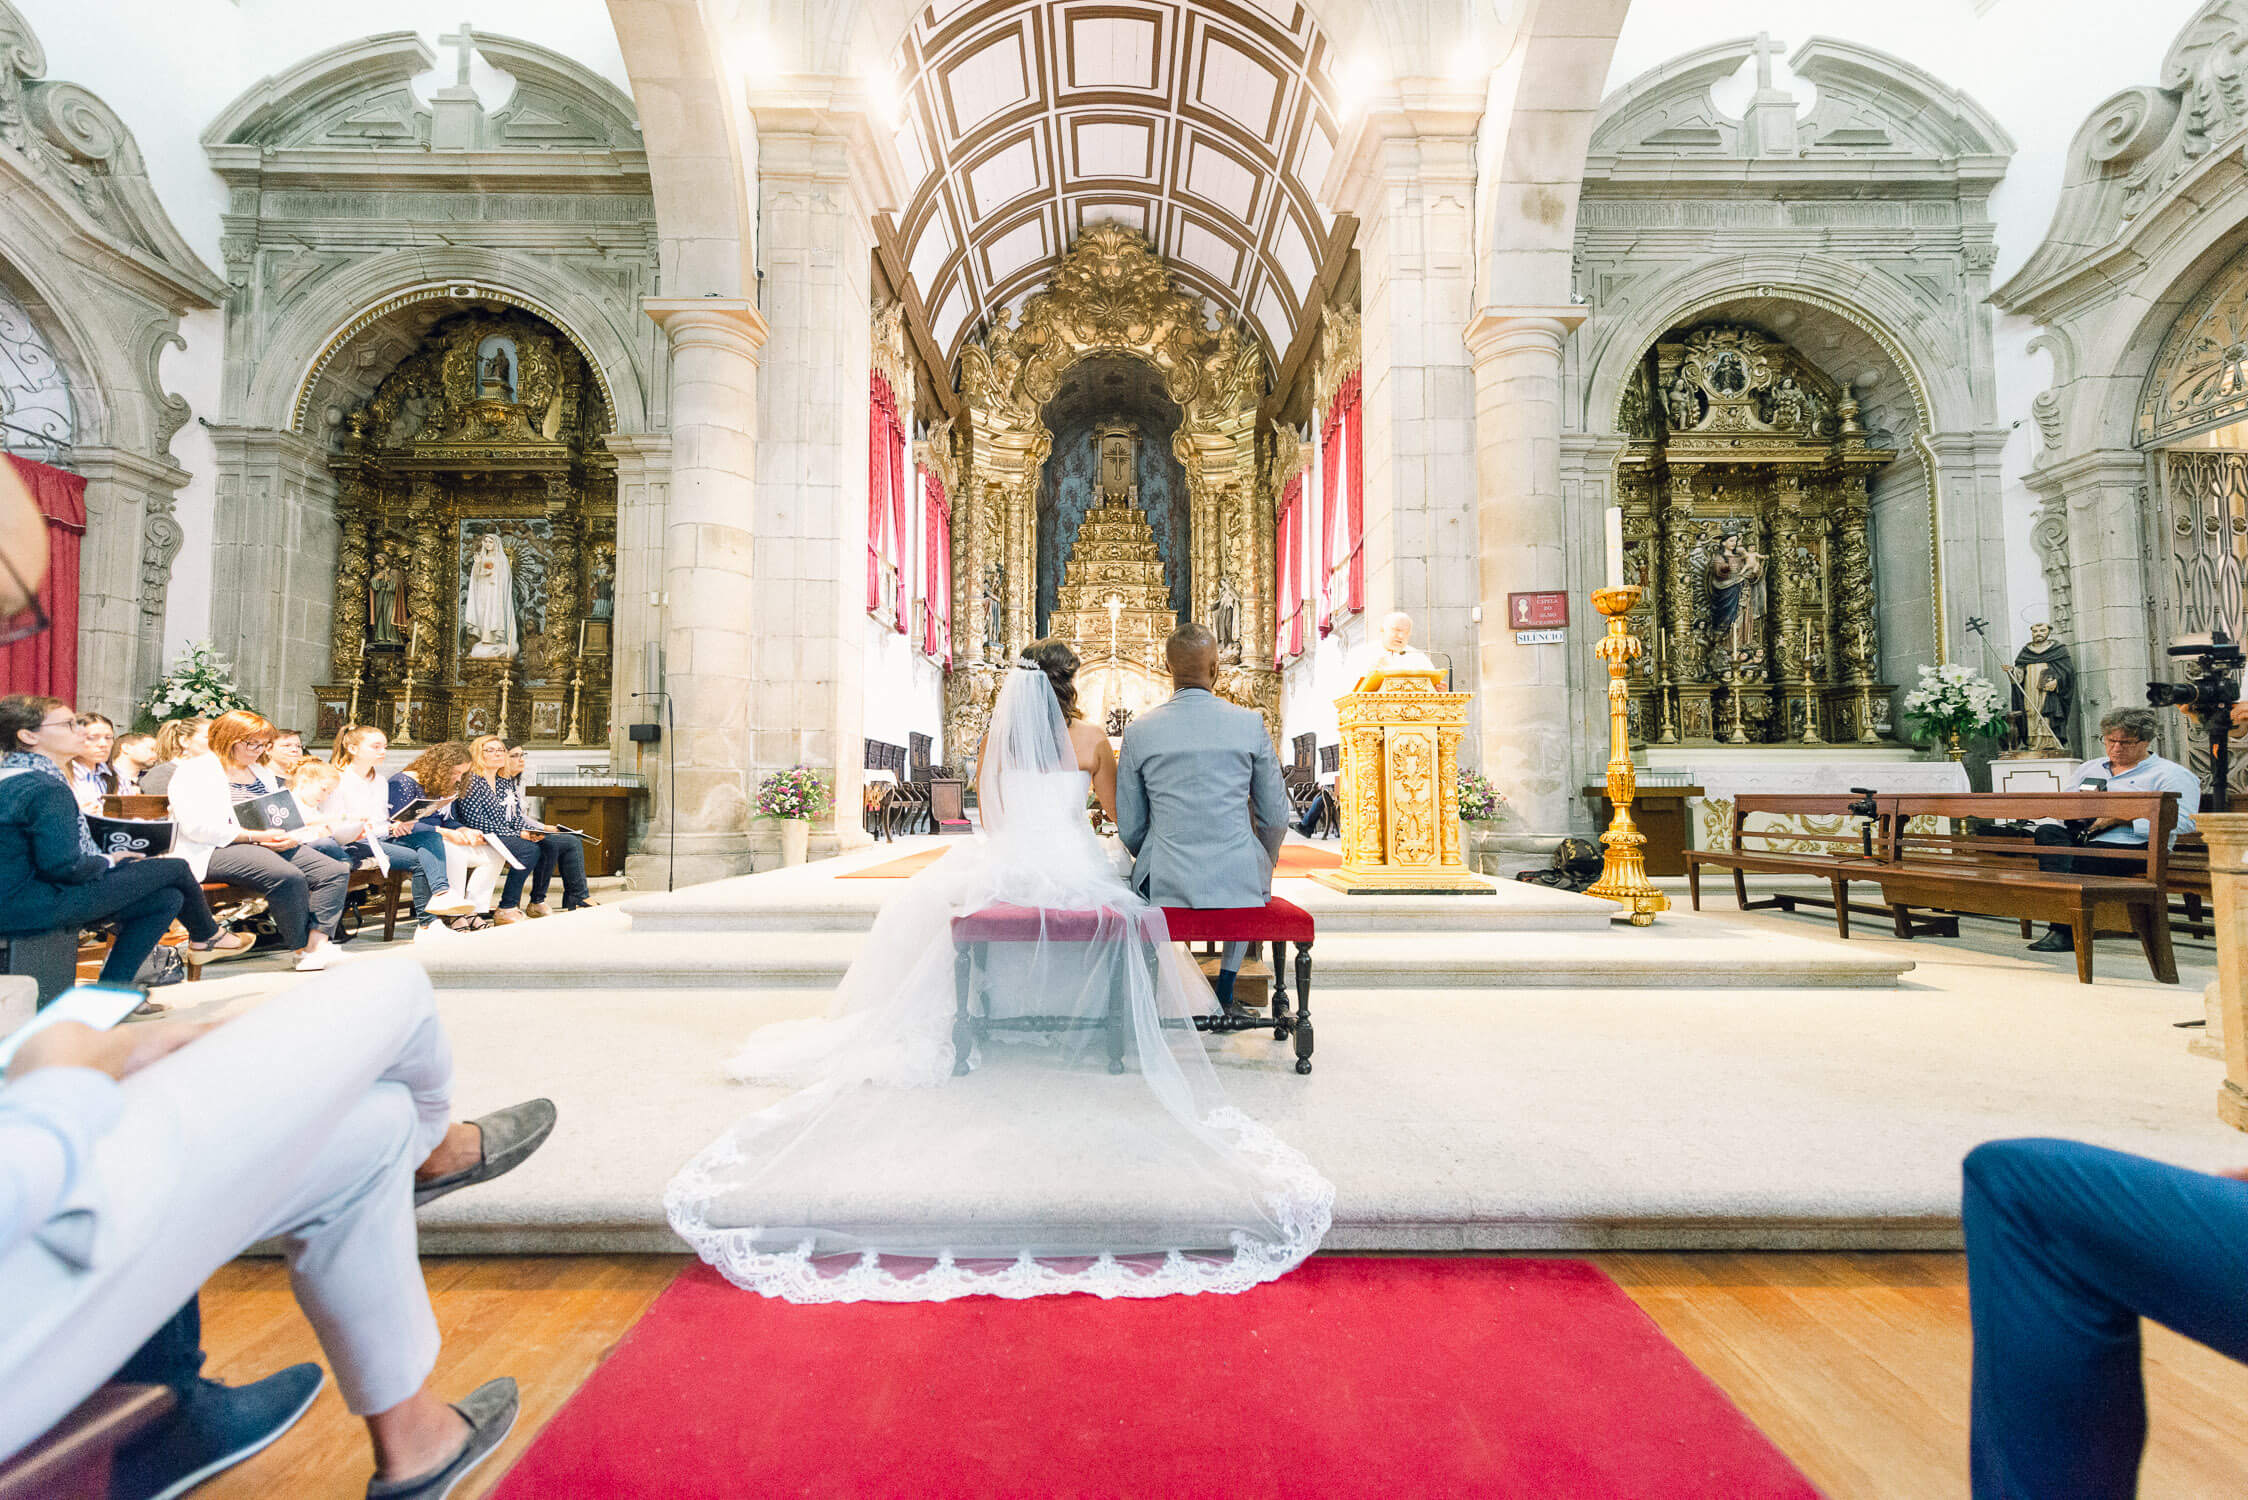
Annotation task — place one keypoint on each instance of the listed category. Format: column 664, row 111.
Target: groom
column 1199, row 801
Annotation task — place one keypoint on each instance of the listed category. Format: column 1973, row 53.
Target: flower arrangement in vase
column 1953, row 704
column 796, row 795
column 1481, row 802
column 200, row 685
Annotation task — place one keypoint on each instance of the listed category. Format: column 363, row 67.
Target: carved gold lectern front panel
column 1401, row 790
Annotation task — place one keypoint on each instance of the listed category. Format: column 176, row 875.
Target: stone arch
column 691, row 120
column 301, row 375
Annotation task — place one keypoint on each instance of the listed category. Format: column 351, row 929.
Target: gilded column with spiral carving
column 1678, row 590
column 565, row 575
column 354, row 515
column 1853, row 582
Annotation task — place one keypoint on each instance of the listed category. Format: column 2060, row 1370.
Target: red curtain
column 882, row 415
column 899, row 536
column 1330, row 474
column 1355, row 482
column 47, row 663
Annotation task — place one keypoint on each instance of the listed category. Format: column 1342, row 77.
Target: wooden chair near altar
column 1278, row 922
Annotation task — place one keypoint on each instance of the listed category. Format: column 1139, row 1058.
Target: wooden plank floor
column 1854, row 1364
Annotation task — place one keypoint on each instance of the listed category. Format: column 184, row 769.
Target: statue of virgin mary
column 488, row 615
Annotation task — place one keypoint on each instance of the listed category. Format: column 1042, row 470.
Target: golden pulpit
column 1400, row 790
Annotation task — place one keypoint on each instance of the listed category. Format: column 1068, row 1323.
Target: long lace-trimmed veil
column 885, row 1176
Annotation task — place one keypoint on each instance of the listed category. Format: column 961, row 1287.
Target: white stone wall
column 2038, row 66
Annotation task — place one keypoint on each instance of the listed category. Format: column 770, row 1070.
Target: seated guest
column 472, row 866
column 483, row 808
column 2068, row 1247
column 358, row 808
column 90, row 776
column 286, row 753
column 176, row 740
column 133, row 754
column 52, row 876
column 559, row 849
column 304, row 889
column 322, row 1119
column 2130, row 765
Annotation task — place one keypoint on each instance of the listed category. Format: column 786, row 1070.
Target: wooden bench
column 1278, row 922
column 1838, row 857
column 1982, row 875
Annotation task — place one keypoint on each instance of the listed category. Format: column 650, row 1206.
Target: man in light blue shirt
column 2130, row 765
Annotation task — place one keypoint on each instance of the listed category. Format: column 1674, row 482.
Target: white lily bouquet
column 1953, row 703
column 199, row 685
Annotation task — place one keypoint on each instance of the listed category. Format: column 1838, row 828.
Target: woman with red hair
column 304, row 889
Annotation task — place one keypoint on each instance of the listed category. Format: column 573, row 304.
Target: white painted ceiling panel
column 1237, row 85
column 1219, row 256
column 1113, row 149
column 1221, row 179
column 931, row 251
column 1294, row 253
column 1023, row 245
column 1112, row 52
column 987, row 81
column 1002, row 178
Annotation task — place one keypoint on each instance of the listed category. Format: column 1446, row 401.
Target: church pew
column 1838, row 856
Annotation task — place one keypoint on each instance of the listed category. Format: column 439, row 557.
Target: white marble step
column 604, row 950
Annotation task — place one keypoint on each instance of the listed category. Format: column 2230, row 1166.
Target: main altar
column 1114, row 605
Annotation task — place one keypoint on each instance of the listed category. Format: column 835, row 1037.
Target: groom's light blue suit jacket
column 1200, row 803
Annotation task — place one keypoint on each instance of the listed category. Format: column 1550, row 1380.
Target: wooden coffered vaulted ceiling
column 1202, row 123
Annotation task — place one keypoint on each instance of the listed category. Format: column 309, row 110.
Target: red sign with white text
column 1540, row 611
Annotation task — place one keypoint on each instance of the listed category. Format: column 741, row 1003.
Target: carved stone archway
column 1111, row 295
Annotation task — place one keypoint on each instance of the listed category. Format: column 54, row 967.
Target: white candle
column 1615, row 546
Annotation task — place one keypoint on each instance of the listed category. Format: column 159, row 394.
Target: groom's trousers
column 2068, row 1246
column 301, row 1121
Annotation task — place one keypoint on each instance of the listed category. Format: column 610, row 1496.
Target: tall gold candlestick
column 577, row 687
column 505, row 684
column 1623, row 873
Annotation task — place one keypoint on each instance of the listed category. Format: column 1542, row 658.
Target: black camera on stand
column 2211, row 688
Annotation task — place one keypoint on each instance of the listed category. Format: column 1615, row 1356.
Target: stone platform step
column 606, row 949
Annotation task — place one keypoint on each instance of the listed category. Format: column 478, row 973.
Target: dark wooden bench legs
column 968, row 961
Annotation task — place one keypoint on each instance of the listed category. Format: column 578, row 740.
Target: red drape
column 937, row 635
column 1291, row 568
column 1324, row 556
column 47, row 663
column 882, row 415
column 1355, row 482
column 899, row 536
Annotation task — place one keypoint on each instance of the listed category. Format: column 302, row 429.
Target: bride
column 902, row 1170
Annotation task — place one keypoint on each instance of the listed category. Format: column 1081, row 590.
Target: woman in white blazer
column 304, row 889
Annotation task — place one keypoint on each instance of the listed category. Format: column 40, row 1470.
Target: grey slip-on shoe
column 510, row 1136
column 490, row 1412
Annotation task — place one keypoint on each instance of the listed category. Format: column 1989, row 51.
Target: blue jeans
column 423, row 853
column 2068, row 1246
column 564, row 852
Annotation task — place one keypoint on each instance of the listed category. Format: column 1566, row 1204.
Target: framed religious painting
column 546, row 720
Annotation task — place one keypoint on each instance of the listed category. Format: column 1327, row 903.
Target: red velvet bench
column 1277, row 922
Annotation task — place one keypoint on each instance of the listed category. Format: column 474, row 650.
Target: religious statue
column 488, row 616
column 1681, row 403
column 604, row 599
column 1226, row 618
column 2044, row 676
column 1736, row 597
column 1118, row 717
column 995, row 609
column 495, row 374
column 386, row 604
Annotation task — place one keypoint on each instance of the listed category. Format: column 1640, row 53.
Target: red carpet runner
column 1352, row 1377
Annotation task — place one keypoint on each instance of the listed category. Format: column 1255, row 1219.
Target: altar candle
column 1615, row 546
column 581, row 637
column 413, row 643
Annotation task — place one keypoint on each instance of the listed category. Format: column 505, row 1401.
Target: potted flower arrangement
column 200, row 685
column 1483, row 807
column 796, row 796
column 1953, row 704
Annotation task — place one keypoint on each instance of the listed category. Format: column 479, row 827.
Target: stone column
column 2227, row 836
column 643, row 506
column 274, row 556
column 700, row 825
column 1410, row 179
column 2104, row 495
column 1523, row 703
column 124, row 574
column 817, row 187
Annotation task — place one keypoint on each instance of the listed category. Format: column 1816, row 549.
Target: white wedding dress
column 887, row 1177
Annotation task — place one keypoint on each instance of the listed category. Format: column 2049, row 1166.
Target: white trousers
column 474, row 871
column 301, row 1121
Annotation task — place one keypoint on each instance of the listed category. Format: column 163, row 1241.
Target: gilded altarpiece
column 475, row 582
column 1111, row 295
column 1744, row 489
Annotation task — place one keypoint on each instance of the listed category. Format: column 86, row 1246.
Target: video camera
column 2211, row 688
column 2212, row 683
